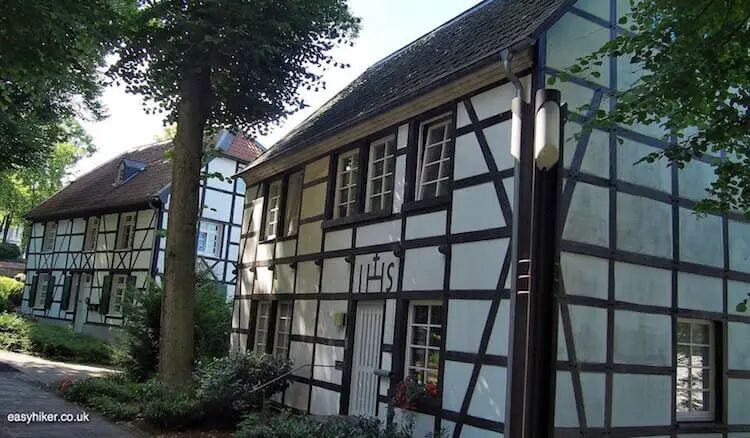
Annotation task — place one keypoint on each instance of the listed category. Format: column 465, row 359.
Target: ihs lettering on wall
column 376, row 273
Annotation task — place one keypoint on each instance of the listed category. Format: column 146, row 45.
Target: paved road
column 21, row 378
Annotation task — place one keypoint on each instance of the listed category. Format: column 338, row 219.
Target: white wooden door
column 83, row 291
column 363, row 399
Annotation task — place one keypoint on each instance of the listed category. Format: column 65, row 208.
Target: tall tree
column 693, row 79
column 51, row 61
column 24, row 189
column 210, row 64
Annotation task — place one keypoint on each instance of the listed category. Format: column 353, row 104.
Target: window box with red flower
column 411, row 393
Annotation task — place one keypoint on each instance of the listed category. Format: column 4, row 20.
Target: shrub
column 137, row 342
column 113, row 396
column 226, row 385
column 14, row 333
column 62, row 343
column 9, row 251
column 11, row 292
column 290, row 426
column 172, row 408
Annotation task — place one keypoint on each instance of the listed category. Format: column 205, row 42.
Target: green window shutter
column 32, row 291
column 65, row 298
column 50, row 293
column 104, row 301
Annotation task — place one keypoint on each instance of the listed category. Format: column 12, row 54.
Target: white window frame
column 117, row 294
column 92, row 234
column 708, row 415
column 75, row 284
column 126, row 220
column 42, row 286
column 409, row 341
column 204, row 228
column 260, row 342
column 377, row 201
column 50, row 235
column 273, row 208
column 444, row 160
column 293, row 203
column 283, row 327
column 352, row 182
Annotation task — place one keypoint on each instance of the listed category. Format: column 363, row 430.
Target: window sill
column 426, row 204
column 698, row 424
column 354, row 219
column 278, row 239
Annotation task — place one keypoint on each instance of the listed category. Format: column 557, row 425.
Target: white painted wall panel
column 310, row 238
column 738, row 334
column 592, row 386
column 469, row 159
column 265, row 251
column 588, row 37
column 694, row 179
column 297, row 395
column 337, row 240
column 695, row 246
column 399, row 183
column 738, row 396
column 263, row 280
column 390, row 321
column 476, row 208
column 589, row 333
column 653, row 175
column 698, row 292
column 423, row 269
column 499, row 337
column 739, row 246
column 224, row 166
column 326, row 324
column 335, row 275
column 324, row 401
column 494, row 101
column 316, row 170
column 217, row 206
column 313, row 201
column 326, row 355
column 303, row 322
column 736, row 292
column 643, row 285
column 426, row 225
column 466, row 313
column 641, row 225
column 79, row 225
column 588, row 215
column 477, row 265
column 308, row 277
column 301, row 354
column 585, row 275
column 402, row 136
column 245, row 307
column 641, row 400
column 379, row 233
column 498, row 139
column 286, row 248
column 642, row 338
column 283, row 279
column 488, row 400
column 455, row 382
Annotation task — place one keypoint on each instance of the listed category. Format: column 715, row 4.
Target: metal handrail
column 287, row 374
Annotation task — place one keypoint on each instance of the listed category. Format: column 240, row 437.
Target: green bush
column 137, row 341
column 9, row 251
column 173, row 408
column 14, row 333
column 11, row 292
column 62, row 343
column 226, row 386
column 305, row 426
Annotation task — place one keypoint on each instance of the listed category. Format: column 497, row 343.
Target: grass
column 56, row 342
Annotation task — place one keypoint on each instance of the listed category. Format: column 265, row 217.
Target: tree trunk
column 6, row 227
column 178, row 303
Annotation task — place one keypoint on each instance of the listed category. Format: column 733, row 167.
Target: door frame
column 82, row 295
column 352, row 325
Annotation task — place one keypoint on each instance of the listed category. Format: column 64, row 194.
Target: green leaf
column 551, row 80
column 623, row 19
column 742, row 306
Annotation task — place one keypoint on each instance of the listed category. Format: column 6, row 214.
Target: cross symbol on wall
column 375, row 258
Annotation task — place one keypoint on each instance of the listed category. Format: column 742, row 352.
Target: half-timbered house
column 104, row 232
column 377, row 243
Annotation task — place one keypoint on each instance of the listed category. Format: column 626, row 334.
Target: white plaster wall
column 380, row 233
column 399, row 183
column 738, row 334
column 316, row 170
column 498, row 344
column 469, row 159
column 297, row 395
column 335, row 275
column 426, row 225
column 390, row 321
column 337, row 240
column 642, row 338
column 386, row 265
column 326, row 326
column 589, row 333
column 488, row 400
column 286, row 248
column 588, row 215
column 461, row 314
column 585, row 275
column 265, row 251
column 588, row 37
column 652, row 175
column 423, row 269
column 596, row 157
column 694, row 179
column 698, row 292
column 283, row 279
column 224, row 166
column 641, row 400
column 308, row 277
column 218, row 206
column 465, row 214
column 310, row 238
column 326, row 355
column 643, row 225
column 643, row 285
column 592, row 391
column 738, row 395
column 455, row 382
column 498, row 139
column 313, row 201
column 477, row 265
column 304, row 313
column 263, row 280
column 324, row 401
column 739, row 248
column 695, row 247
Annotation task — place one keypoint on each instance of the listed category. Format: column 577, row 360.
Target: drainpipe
column 517, row 419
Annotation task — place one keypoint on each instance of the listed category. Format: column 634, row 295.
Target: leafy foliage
column 137, row 341
column 11, row 291
column 53, row 52
column 692, row 61
column 9, row 251
column 227, row 386
column 50, row 341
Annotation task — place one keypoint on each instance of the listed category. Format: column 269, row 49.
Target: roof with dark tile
column 476, row 35
column 244, row 149
column 97, row 189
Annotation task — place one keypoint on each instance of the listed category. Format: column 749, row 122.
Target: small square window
column 696, row 384
column 434, row 156
column 92, row 232
column 347, row 179
column 261, row 327
column 272, row 210
column 380, row 175
column 423, row 341
column 119, row 285
column 126, row 233
column 209, row 239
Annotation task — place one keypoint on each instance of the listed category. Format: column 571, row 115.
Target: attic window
column 127, row 170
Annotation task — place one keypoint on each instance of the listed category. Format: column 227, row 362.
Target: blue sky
column 387, row 25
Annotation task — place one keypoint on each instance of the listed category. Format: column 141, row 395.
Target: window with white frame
column 209, row 239
column 119, row 285
column 423, row 340
column 272, row 210
column 382, row 162
column 261, row 327
column 92, row 232
column 126, row 232
column 50, row 233
column 694, row 393
column 42, row 286
column 435, row 153
column 293, row 202
column 283, row 329
column 347, row 177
